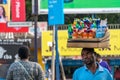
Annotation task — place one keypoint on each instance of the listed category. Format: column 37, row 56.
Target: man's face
column 88, row 57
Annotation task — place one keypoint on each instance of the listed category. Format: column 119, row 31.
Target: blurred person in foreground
column 91, row 70
column 102, row 62
column 25, row 69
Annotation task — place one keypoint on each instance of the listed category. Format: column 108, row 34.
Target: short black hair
column 88, row 49
column 23, row 52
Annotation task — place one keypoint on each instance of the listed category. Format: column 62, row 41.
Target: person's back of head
column 24, row 52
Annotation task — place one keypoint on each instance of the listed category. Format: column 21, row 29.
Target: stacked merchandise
column 87, row 30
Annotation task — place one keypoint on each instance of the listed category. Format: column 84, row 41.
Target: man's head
column 88, row 56
column 24, row 52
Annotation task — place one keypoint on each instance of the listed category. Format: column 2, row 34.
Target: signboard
column 7, row 53
column 17, row 7
column 7, row 56
column 18, row 10
column 55, row 12
column 19, row 24
column 41, row 26
column 5, row 6
column 84, row 6
column 64, row 51
column 18, row 15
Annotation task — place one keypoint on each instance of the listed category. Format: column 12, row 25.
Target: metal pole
column 35, row 29
column 53, row 55
column 57, row 54
column 62, row 70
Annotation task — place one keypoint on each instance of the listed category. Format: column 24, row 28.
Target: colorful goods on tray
column 87, row 28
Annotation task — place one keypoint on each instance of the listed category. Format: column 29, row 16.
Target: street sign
column 19, row 24
column 55, row 12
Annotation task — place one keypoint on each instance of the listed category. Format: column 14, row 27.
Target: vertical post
column 53, row 55
column 35, row 29
column 57, row 55
column 55, row 18
column 62, row 70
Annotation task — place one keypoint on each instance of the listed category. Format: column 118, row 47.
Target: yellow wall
column 39, row 56
column 40, row 59
column 64, row 51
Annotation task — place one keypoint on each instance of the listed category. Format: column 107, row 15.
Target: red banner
column 18, row 10
column 18, row 15
column 5, row 28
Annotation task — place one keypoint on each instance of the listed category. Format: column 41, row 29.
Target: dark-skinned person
column 91, row 69
column 102, row 62
column 25, row 69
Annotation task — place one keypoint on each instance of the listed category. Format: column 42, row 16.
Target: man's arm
column 10, row 74
column 41, row 75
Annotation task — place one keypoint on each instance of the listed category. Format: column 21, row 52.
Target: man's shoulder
column 34, row 63
column 107, row 73
column 80, row 69
column 14, row 64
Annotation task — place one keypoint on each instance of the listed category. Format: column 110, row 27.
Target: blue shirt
column 84, row 73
